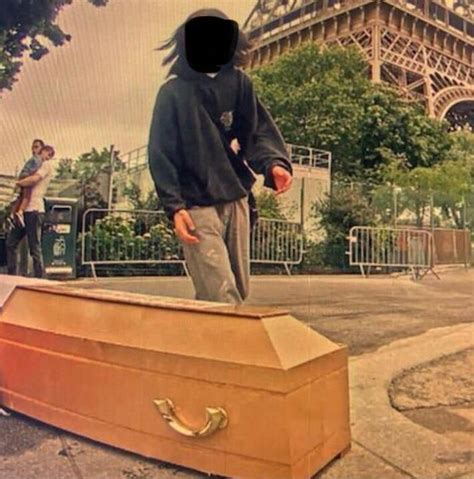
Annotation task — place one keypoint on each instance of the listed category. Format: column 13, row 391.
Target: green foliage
column 334, row 106
column 23, row 27
column 380, row 142
column 65, row 169
column 392, row 126
column 338, row 213
column 116, row 238
column 461, row 157
column 314, row 258
column 324, row 108
column 91, row 170
column 144, row 222
column 86, row 166
column 462, row 150
column 136, row 236
column 268, row 206
column 150, row 203
column 445, row 186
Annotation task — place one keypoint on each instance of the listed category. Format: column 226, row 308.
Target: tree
column 324, row 108
column 454, row 181
column 91, row 170
column 65, row 169
column 338, row 213
column 334, row 106
column 444, row 186
column 462, row 149
column 23, row 25
column 151, row 202
column 268, row 206
column 392, row 125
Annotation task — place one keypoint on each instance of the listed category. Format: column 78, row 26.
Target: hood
column 181, row 69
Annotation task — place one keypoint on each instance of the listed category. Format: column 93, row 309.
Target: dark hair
column 176, row 42
column 37, row 140
column 47, row 148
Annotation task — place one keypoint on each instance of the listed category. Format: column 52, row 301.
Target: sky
column 98, row 89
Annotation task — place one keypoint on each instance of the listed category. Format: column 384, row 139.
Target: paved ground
column 439, row 395
column 409, row 448
column 362, row 313
column 417, row 334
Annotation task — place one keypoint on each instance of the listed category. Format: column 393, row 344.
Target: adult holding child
column 24, row 194
column 29, row 214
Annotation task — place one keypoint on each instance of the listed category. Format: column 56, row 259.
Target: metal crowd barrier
column 391, row 247
column 132, row 237
column 277, row 242
column 128, row 237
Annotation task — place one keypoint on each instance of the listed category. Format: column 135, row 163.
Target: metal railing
column 310, row 157
column 135, row 159
column 133, row 237
column 277, row 242
column 299, row 155
column 391, row 247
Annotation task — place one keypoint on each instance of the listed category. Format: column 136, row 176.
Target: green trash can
column 59, row 237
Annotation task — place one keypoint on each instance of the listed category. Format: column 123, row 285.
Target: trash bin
column 59, row 237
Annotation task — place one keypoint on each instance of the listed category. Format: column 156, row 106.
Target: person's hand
column 282, row 179
column 184, row 226
column 235, row 146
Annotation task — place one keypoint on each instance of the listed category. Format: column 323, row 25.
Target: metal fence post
column 111, row 176
column 302, row 198
column 395, row 205
column 464, row 212
column 432, row 212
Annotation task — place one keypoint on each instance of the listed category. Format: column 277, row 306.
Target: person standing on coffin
column 209, row 134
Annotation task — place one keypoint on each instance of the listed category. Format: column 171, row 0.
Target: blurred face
column 46, row 155
column 210, row 42
column 36, row 147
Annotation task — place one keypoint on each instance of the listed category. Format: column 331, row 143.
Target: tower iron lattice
column 423, row 47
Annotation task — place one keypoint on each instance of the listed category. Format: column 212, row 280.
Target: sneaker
column 20, row 219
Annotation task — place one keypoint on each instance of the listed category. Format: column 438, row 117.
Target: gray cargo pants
column 219, row 264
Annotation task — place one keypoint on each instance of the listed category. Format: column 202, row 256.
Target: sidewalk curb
column 417, row 451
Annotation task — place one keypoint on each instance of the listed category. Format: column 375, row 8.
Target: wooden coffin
column 237, row 391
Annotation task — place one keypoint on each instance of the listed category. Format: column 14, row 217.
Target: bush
column 268, row 206
column 117, row 238
column 338, row 213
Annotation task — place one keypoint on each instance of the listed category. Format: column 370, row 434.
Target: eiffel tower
column 423, row 47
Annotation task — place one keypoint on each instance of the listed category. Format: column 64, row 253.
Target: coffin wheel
column 216, row 418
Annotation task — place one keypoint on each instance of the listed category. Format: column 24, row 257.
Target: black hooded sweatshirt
column 194, row 118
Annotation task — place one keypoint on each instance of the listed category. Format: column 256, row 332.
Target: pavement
column 411, row 363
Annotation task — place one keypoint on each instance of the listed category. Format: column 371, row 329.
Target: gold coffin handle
column 216, row 418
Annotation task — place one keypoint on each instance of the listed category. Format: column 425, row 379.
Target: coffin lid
column 256, row 337
column 9, row 283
